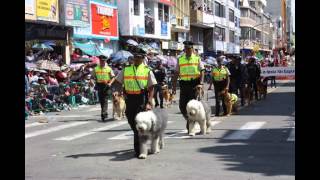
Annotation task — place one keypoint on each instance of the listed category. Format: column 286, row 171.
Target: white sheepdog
column 150, row 126
column 198, row 111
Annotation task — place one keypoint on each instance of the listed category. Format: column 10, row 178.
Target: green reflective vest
column 102, row 74
column 132, row 74
column 219, row 74
column 189, row 69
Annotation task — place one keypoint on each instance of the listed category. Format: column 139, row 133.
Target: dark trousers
column 158, row 90
column 134, row 105
column 253, row 85
column 103, row 99
column 273, row 81
column 218, row 87
column 187, row 92
column 236, row 87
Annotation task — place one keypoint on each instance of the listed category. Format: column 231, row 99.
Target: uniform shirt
column 159, row 74
column 151, row 79
column 111, row 73
column 200, row 66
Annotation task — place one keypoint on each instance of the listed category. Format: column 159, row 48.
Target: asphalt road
column 257, row 144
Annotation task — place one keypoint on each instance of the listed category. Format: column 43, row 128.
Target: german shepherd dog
column 262, row 87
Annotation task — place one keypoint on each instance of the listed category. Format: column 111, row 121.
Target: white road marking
column 127, row 135
column 53, row 129
column 292, row 136
column 92, row 131
column 245, row 131
column 34, row 124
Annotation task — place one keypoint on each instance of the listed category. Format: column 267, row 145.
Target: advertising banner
column 164, row 28
column 30, row 9
column 47, row 10
column 278, row 71
column 77, row 13
column 104, row 20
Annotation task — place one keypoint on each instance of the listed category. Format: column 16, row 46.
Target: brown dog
column 199, row 92
column 119, row 105
column 230, row 100
column 166, row 95
column 262, row 88
column 247, row 94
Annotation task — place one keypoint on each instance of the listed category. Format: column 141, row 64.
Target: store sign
column 164, row 28
column 173, row 20
column 137, row 30
column 277, row 71
column 29, row 8
column 77, row 13
column 104, row 20
column 47, row 10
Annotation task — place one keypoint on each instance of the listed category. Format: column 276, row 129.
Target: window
column 235, row 21
column 245, row 34
column 231, row 15
column 244, row 12
column 136, row 7
column 253, row 15
column 163, row 12
column 219, row 10
column 252, row 4
column 231, row 36
column 208, row 6
column 160, row 10
column 219, row 33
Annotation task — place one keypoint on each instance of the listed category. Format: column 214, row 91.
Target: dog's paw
column 192, row 134
column 208, row 130
column 142, row 156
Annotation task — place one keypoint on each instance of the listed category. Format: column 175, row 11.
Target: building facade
column 215, row 26
column 257, row 29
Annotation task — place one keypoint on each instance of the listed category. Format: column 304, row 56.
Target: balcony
column 201, row 19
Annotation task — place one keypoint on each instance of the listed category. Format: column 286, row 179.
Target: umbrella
column 82, row 60
column 42, row 46
column 121, row 56
column 94, row 60
column 49, row 43
column 132, row 42
column 76, row 67
column 154, row 45
column 30, row 65
column 48, row 65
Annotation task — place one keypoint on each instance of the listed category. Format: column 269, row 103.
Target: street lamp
column 246, row 33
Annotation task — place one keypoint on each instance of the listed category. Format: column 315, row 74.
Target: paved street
column 257, row 144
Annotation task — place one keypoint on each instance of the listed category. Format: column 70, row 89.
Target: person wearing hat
column 220, row 81
column 238, row 77
column 191, row 72
column 138, row 81
column 254, row 74
column 104, row 77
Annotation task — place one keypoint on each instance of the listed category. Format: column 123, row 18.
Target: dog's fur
column 150, row 126
column 262, row 88
column 247, row 94
column 198, row 111
column 227, row 98
column 119, row 105
column 199, row 92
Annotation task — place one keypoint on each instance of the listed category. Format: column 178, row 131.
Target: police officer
column 104, row 77
column 238, row 77
column 191, row 73
column 254, row 75
column 220, row 81
column 138, row 81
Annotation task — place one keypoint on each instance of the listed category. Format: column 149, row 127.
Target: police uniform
column 136, row 81
column 103, row 76
column 219, row 77
column 189, row 70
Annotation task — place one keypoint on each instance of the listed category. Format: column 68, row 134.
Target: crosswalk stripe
column 127, row 135
column 90, row 132
column 53, row 129
column 292, row 135
column 34, row 124
column 245, row 131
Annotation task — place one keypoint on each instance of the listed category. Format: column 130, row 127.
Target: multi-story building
column 145, row 20
column 290, row 22
column 215, row 26
column 180, row 26
column 256, row 27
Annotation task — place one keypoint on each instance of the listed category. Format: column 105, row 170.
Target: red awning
column 168, row 2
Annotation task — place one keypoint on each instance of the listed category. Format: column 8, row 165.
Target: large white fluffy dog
column 198, row 111
column 151, row 125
